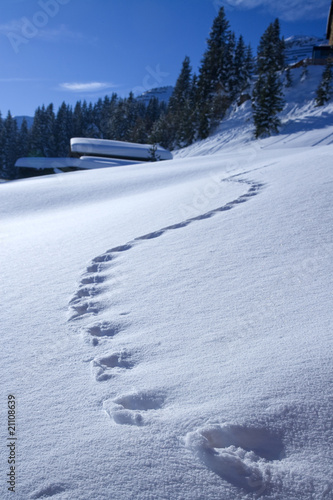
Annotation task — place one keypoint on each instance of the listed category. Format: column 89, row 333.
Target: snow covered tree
column 267, row 99
column 216, row 74
column 213, row 70
column 239, row 65
column 43, row 132
column 162, row 132
column 63, row 129
column 267, row 103
column 153, row 156
column 289, row 80
column 37, row 137
column 108, row 115
column 182, row 88
column 270, row 55
column 77, row 120
column 23, row 146
column 325, row 89
column 49, row 132
column 10, row 153
column 305, row 70
column 248, row 65
column 180, row 107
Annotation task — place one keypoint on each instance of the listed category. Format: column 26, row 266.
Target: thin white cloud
column 288, row 10
column 86, row 87
column 26, row 29
column 65, row 34
column 14, row 26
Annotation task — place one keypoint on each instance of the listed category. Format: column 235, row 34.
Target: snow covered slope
column 166, row 328
column 163, row 94
column 300, row 47
column 303, row 124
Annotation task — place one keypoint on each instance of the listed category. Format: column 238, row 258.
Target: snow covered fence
column 27, row 28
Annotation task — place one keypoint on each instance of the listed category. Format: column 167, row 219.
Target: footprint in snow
column 48, row 490
column 82, row 304
column 238, row 454
column 105, row 367
column 134, row 409
column 103, row 330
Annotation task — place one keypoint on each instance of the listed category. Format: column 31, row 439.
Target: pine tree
column 231, row 83
column 153, row 156
column 270, row 56
column 131, row 114
column 325, row 89
column 305, row 70
column 10, row 153
column 77, row 120
column 92, row 129
column 109, row 112
column 37, row 133
column 63, row 129
column 162, row 132
column 249, row 65
column 267, row 103
column 267, row 99
column 179, row 109
column 289, row 80
column 240, row 67
column 216, row 75
column 213, row 70
column 23, row 148
column 49, row 132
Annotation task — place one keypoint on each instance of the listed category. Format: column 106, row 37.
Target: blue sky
column 69, row 50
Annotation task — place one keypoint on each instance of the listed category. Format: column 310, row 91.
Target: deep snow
column 166, row 328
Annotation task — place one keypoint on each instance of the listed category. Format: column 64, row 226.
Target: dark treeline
column 113, row 117
column 228, row 74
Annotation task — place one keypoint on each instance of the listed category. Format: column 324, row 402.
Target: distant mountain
column 19, row 120
column 299, row 47
column 163, row 94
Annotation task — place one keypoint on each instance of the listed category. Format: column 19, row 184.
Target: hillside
column 166, row 327
column 300, row 47
column 163, row 94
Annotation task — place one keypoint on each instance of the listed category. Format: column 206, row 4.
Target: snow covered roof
column 47, row 163
column 84, row 162
column 117, row 149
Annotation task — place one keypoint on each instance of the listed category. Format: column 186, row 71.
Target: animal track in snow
column 105, row 367
column 238, row 454
column 80, row 305
column 134, row 409
column 49, row 490
column 104, row 329
column 235, row 462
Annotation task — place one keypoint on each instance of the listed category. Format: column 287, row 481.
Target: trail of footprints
column 87, row 305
